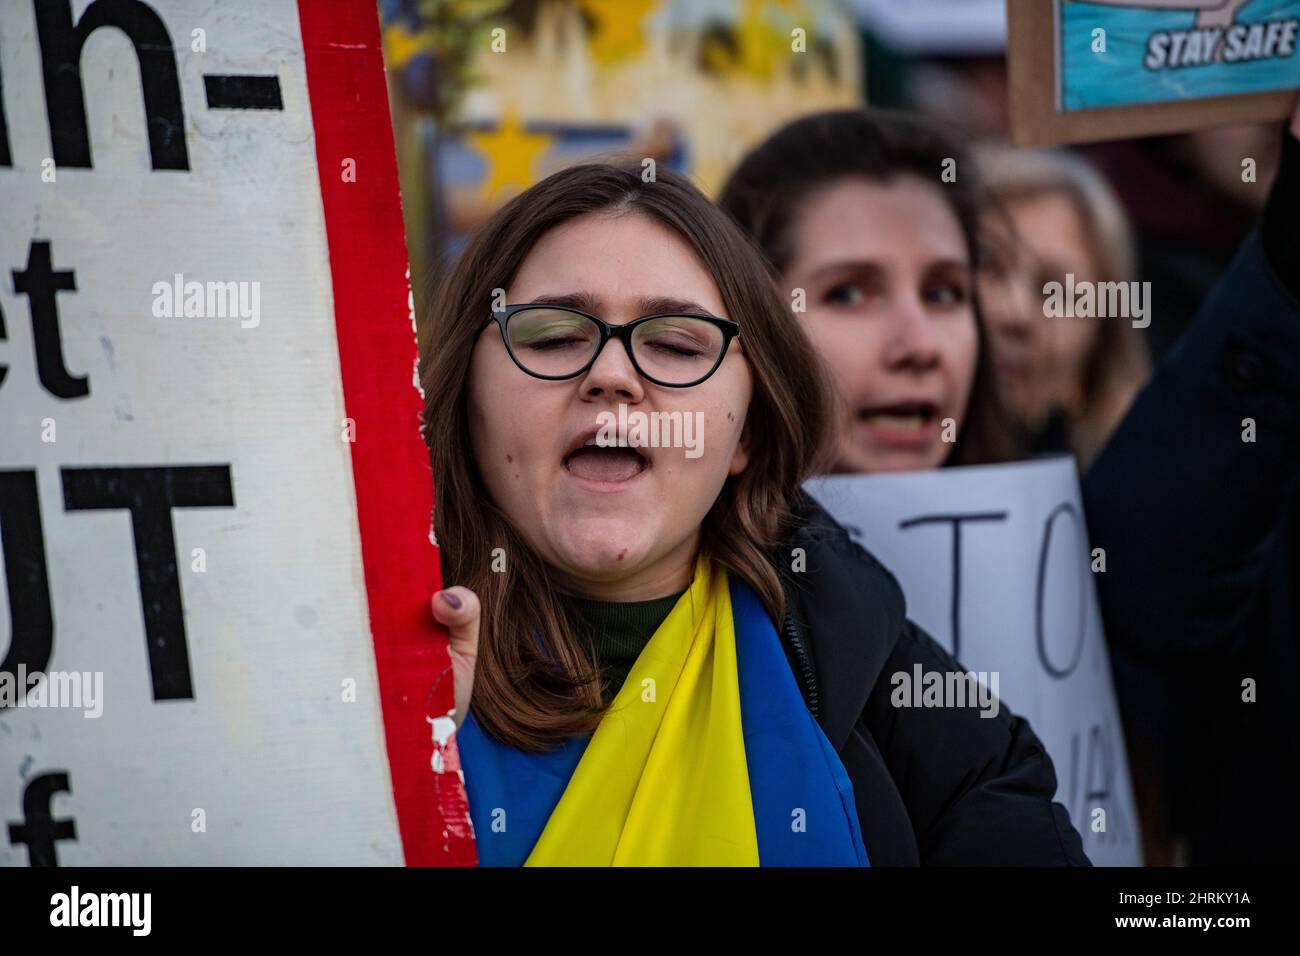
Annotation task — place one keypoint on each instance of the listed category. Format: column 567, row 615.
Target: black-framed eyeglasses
column 556, row 342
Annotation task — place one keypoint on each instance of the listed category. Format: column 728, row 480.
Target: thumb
column 457, row 609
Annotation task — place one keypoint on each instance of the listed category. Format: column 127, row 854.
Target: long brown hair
column 765, row 190
column 534, row 684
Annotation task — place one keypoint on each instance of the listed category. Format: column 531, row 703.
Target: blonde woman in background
column 1068, row 379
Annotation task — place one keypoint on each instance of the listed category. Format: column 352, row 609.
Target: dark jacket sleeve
column 1185, row 509
column 978, row 789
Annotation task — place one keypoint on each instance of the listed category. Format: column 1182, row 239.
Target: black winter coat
column 1203, row 529
column 933, row 786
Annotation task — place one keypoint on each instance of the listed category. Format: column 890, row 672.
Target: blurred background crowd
column 697, row 83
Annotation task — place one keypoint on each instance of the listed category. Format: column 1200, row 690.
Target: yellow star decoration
column 400, row 44
column 763, row 40
column 511, row 153
column 618, row 33
column 762, row 45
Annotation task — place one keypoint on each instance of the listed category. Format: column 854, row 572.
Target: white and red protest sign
column 214, row 500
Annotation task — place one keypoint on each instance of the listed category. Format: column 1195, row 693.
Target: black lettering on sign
column 6, row 156
column 956, row 521
column 26, row 575
column 1095, row 789
column 1040, row 630
column 65, row 102
column 40, row 283
column 242, row 92
column 39, row 831
column 150, row 493
column 4, row 369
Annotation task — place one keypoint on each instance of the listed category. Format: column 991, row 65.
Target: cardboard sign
column 214, row 500
column 995, row 565
column 1098, row 69
column 936, row 27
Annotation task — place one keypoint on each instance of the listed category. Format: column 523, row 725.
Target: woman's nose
column 914, row 341
column 1012, row 322
column 1027, row 304
column 1009, row 310
column 613, row 374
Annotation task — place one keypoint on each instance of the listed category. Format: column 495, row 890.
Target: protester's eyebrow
column 583, row 301
column 954, row 265
column 874, row 269
column 653, row 304
column 647, row 305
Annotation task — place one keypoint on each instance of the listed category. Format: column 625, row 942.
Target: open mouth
column 593, row 462
column 915, row 416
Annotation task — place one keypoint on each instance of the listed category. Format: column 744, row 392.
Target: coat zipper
column 791, row 631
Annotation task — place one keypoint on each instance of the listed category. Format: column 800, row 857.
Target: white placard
column 995, row 564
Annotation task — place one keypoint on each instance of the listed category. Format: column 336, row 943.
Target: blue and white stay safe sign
column 1125, row 52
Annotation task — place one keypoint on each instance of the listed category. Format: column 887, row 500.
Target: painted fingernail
column 451, row 600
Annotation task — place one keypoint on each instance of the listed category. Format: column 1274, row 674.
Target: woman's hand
column 457, row 609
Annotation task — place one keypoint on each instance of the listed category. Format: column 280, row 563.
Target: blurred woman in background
column 1067, row 379
column 871, row 219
